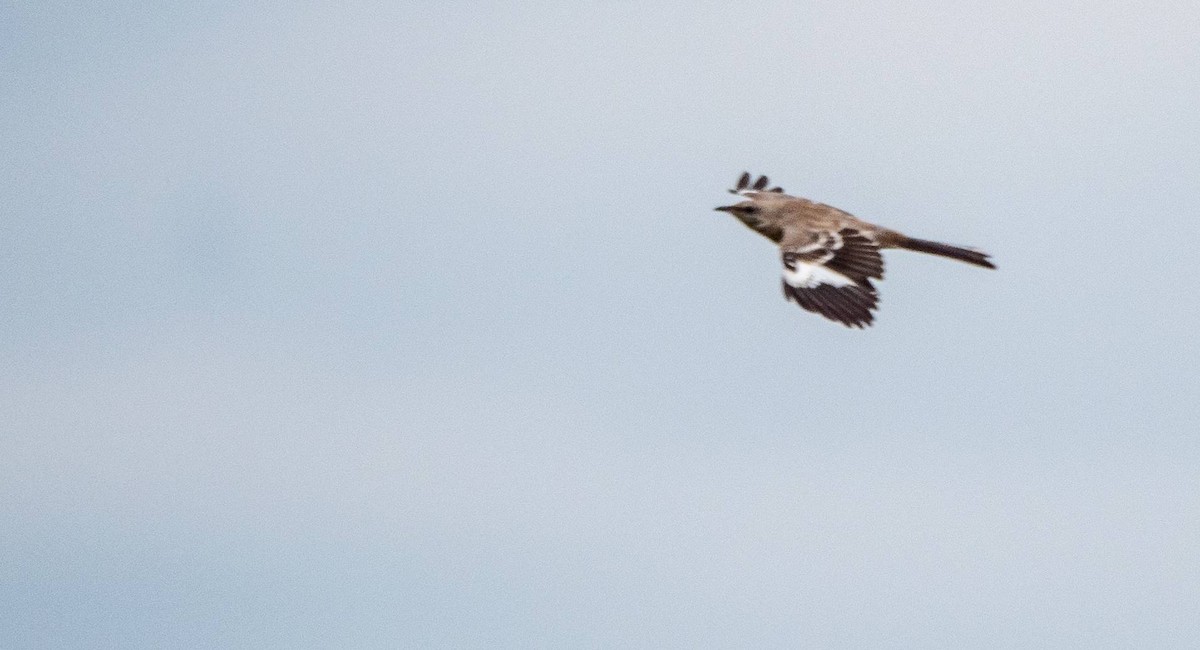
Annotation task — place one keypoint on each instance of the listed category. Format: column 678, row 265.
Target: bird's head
column 755, row 194
column 746, row 208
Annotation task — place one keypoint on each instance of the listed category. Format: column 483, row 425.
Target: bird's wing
column 830, row 273
column 746, row 189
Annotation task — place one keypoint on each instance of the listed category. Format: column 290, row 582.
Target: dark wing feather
column 849, row 254
column 743, row 185
column 857, row 257
column 850, row 305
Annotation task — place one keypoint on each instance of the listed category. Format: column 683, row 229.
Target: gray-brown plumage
column 829, row 256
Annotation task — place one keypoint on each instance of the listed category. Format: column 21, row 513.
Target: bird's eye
column 750, row 209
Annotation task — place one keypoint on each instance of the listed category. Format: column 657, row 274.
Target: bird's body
column 829, row 255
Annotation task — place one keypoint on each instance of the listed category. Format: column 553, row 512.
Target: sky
column 376, row 325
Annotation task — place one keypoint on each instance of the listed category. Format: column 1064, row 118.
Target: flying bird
column 829, row 256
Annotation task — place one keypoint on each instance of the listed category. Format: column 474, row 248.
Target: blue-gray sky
column 375, row 326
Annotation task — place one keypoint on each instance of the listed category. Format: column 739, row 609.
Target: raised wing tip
column 744, row 185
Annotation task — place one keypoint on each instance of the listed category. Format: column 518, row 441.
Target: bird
column 829, row 256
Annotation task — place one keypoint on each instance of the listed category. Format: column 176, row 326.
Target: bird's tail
column 968, row 255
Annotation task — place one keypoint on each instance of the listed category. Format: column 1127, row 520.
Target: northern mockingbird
column 829, row 256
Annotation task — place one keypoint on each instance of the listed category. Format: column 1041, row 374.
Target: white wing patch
column 808, row 275
column 758, row 195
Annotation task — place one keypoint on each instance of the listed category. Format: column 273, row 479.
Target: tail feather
column 970, row 256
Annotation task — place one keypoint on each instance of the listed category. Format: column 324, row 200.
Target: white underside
column 809, row 276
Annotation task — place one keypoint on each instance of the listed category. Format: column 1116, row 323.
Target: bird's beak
column 725, row 208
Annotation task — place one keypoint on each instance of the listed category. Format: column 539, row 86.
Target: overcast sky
column 379, row 326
